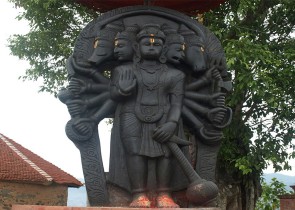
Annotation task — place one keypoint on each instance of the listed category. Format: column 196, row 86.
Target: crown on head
column 152, row 31
column 194, row 41
column 129, row 33
column 174, row 39
column 191, row 39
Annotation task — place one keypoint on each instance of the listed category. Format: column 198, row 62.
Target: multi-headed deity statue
column 162, row 77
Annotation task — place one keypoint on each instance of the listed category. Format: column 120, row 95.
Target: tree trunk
column 237, row 194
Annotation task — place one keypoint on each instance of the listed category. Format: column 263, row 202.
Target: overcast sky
column 37, row 120
column 34, row 120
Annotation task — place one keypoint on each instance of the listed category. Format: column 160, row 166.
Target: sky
column 37, row 120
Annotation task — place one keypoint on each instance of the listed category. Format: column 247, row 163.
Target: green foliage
column 258, row 38
column 269, row 199
column 54, row 27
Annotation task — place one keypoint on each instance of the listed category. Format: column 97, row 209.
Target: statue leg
column 164, row 199
column 137, row 165
column 137, row 172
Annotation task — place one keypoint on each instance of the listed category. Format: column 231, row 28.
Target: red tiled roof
column 21, row 165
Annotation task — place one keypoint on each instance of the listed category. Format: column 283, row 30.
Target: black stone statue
column 162, row 77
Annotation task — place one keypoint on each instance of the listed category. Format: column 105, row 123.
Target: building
column 287, row 202
column 26, row 178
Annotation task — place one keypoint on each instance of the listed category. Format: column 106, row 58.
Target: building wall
column 287, row 202
column 33, row 194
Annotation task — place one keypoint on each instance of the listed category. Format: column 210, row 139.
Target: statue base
column 33, row 207
column 119, row 197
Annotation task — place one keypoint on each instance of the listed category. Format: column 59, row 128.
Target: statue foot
column 164, row 200
column 140, row 200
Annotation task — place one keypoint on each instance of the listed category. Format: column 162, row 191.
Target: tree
column 54, row 27
column 269, row 199
column 257, row 38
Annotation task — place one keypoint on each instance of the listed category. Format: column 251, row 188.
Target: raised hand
column 216, row 115
column 83, row 127
column 217, row 99
column 76, row 107
column 77, row 86
column 127, row 81
column 212, row 73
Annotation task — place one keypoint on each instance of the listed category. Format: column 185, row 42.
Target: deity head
column 104, row 42
column 195, row 54
column 103, row 50
column 124, row 43
column 151, row 41
column 175, row 48
column 194, row 51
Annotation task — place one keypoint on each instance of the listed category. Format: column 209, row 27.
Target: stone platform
column 33, row 207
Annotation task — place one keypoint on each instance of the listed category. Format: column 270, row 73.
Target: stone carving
column 162, row 77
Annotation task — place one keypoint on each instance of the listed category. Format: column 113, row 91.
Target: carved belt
column 149, row 114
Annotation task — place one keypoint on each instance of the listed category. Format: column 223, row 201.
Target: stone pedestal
column 32, row 207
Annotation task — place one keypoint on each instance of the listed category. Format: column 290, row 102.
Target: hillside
column 287, row 180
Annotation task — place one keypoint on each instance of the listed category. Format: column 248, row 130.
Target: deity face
column 150, row 48
column 175, row 53
column 123, row 50
column 195, row 57
column 102, row 52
